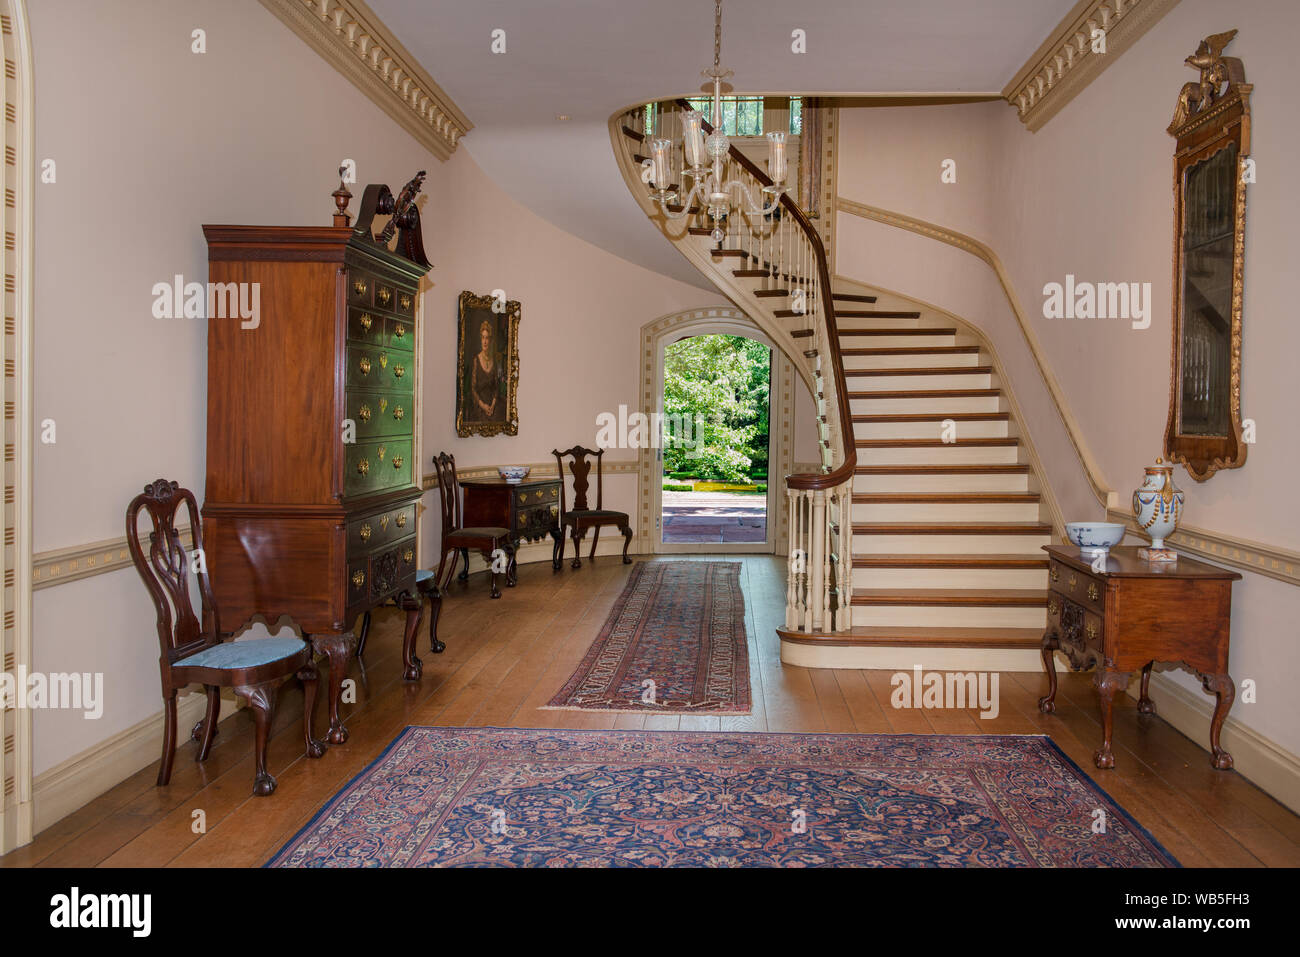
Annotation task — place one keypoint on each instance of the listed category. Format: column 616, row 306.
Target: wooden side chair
column 580, row 518
column 413, row 605
column 196, row 653
column 456, row 537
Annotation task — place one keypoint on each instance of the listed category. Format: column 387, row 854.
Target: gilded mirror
column 1211, row 127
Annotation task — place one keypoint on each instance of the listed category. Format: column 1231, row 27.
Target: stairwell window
column 741, row 115
column 796, row 115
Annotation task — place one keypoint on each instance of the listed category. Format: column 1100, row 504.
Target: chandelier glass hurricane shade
column 704, row 158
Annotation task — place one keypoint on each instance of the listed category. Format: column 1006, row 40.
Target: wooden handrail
column 811, row 480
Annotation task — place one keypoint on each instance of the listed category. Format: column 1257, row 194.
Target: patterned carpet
column 504, row 797
column 680, row 625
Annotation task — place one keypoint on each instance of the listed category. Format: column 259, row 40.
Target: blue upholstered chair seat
column 244, row 654
column 423, row 575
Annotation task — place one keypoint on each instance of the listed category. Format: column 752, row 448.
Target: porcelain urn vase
column 1158, row 508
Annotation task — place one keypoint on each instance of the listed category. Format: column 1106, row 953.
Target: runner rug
column 513, row 797
column 674, row 643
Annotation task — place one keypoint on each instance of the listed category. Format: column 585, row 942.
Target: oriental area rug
column 674, row 643
column 516, row 797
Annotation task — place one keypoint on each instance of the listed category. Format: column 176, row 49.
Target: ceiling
column 589, row 58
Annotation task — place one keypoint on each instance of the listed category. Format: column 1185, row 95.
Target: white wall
column 151, row 142
column 1090, row 194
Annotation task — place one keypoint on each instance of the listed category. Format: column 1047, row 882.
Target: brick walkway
column 714, row 517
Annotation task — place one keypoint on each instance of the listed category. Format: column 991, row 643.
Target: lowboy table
column 1129, row 617
column 529, row 509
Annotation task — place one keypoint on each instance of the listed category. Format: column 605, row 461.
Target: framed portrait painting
column 487, row 366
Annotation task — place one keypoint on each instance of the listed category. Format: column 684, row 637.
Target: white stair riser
column 904, row 658
column 892, row 544
column 849, row 323
column 950, row 578
column 923, row 383
column 900, row 341
column 945, row 512
column 976, row 482
column 940, row 455
column 945, row 616
column 932, row 429
column 907, row 360
column 938, row 405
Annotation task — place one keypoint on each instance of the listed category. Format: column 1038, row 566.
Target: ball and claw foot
column 263, row 785
column 1046, row 705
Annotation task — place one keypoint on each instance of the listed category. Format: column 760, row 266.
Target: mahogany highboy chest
column 310, row 505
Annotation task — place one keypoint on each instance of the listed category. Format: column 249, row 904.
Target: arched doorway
column 656, row 337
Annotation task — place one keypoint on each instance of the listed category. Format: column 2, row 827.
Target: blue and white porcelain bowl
column 513, row 474
column 1096, row 537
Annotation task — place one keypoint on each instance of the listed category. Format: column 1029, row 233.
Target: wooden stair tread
column 965, row 597
column 935, row 443
column 887, row 635
column 927, row 394
column 750, row 273
column 895, row 332
column 952, row 528
column 956, row 468
column 875, row 314
column 940, row 560
column 914, row 351
column 677, row 208
column 939, row 498
column 935, row 417
column 628, row 131
column 801, row 333
column 922, row 370
column 771, row 293
column 852, row 297
column 699, row 230
column 734, row 253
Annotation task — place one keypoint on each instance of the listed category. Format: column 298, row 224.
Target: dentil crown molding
column 349, row 35
column 1066, row 63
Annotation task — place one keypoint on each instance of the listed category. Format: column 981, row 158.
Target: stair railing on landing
column 785, row 253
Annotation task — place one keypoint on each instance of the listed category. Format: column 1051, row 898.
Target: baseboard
column 610, row 544
column 1265, row 764
column 886, row 658
column 76, row 782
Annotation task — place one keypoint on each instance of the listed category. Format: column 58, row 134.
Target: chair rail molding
column 353, row 40
column 1065, row 64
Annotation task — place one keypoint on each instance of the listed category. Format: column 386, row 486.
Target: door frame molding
column 16, row 805
column 726, row 320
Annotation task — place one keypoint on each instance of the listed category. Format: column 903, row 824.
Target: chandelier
column 704, row 159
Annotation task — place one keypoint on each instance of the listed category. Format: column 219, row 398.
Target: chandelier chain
column 717, row 34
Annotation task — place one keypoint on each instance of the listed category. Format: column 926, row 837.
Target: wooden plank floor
column 506, row 658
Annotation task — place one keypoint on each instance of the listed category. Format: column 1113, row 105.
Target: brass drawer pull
column 365, row 321
column 399, row 371
column 364, row 365
column 363, row 467
column 382, row 451
column 384, row 295
column 401, row 520
column 408, row 555
column 365, row 533
column 383, row 360
column 404, row 302
column 397, row 461
column 399, row 332
column 383, row 404
column 1056, row 573
column 359, row 287
column 363, row 413
column 1092, row 591
column 523, row 498
column 1072, row 582
column 383, row 523
column 1052, row 606
column 358, row 579
column 1091, row 630
column 399, row 413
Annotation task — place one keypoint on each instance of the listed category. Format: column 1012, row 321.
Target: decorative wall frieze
column 61, row 565
column 353, row 40
column 1070, row 59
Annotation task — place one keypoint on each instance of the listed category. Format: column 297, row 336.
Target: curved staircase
column 919, row 542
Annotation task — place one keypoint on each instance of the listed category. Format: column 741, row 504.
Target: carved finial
column 405, row 214
column 342, row 196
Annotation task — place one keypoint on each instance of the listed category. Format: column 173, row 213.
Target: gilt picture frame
column 487, row 365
